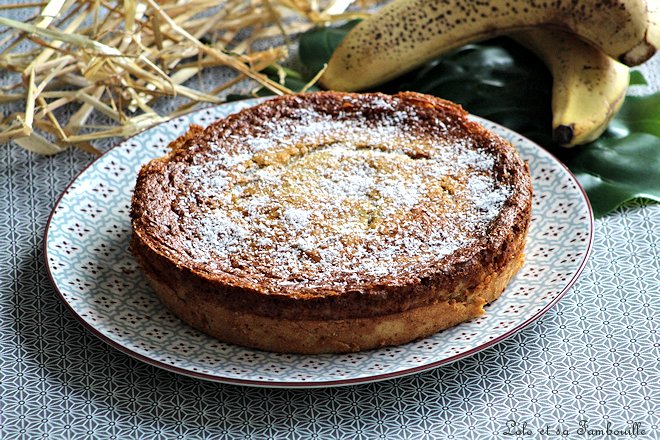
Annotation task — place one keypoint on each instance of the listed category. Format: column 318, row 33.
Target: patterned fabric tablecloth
column 590, row 365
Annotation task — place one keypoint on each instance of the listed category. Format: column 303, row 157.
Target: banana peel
column 405, row 34
column 588, row 86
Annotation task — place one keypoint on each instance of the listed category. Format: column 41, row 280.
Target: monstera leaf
column 317, row 45
column 624, row 163
column 505, row 83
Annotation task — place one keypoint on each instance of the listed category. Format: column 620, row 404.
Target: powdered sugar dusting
column 298, row 219
column 365, row 202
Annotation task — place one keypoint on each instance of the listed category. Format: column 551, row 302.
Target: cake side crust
column 316, row 336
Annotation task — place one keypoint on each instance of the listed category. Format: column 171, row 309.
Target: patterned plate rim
column 329, row 383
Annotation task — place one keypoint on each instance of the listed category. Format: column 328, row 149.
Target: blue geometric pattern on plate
column 89, row 263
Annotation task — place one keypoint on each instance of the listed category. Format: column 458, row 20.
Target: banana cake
column 332, row 222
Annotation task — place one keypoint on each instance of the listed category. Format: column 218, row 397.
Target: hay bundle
column 117, row 58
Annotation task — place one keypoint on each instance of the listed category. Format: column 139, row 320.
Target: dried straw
column 117, row 57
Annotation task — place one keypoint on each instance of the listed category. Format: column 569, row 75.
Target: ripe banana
column 653, row 34
column 407, row 33
column 588, row 86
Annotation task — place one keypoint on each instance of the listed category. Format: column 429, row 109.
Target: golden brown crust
column 248, row 287
column 327, row 335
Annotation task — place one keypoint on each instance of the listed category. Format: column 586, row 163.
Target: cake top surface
column 329, row 191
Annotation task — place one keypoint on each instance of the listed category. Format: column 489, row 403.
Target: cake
column 332, row 222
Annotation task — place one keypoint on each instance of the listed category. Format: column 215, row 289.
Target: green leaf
column 637, row 79
column 639, row 114
column 605, row 197
column 631, row 159
column 613, row 171
column 317, row 45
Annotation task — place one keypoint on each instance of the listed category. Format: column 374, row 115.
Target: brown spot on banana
column 588, row 86
column 413, row 32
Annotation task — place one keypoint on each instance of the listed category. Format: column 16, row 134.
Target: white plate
column 86, row 248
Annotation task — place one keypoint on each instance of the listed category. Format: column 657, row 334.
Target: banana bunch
column 579, row 40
